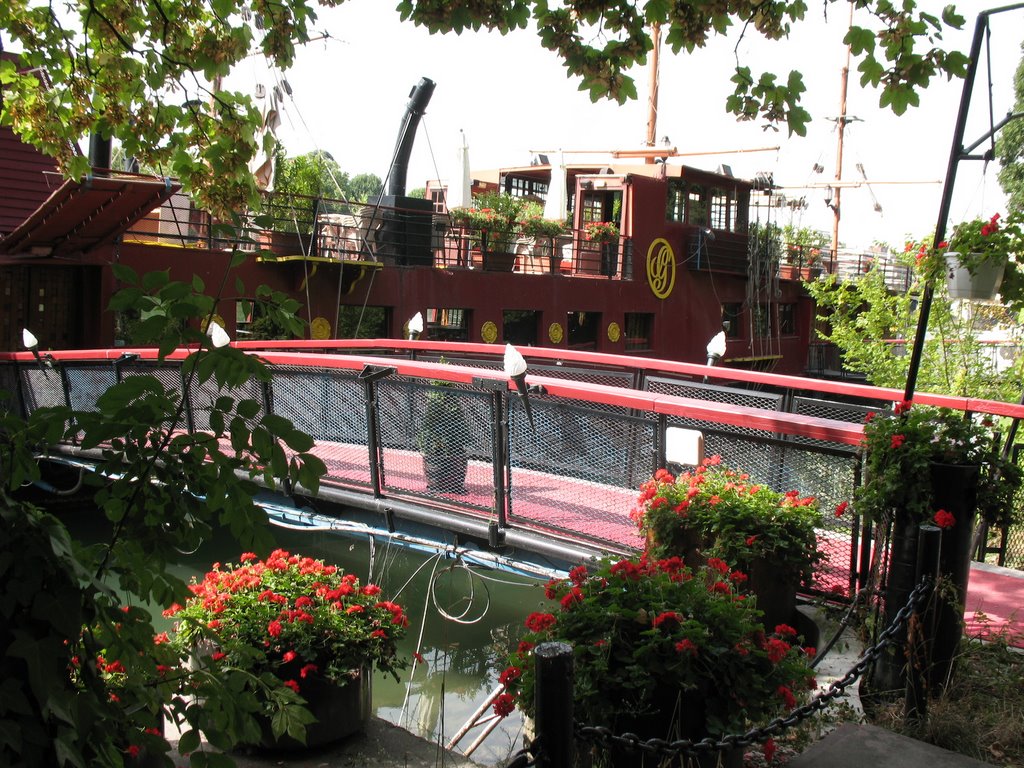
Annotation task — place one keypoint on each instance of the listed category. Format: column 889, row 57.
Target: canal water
column 463, row 619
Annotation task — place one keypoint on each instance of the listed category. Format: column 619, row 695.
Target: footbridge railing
column 562, row 488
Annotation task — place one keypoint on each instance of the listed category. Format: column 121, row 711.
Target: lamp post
column 31, row 343
column 515, row 369
column 218, row 336
column 716, row 349
column 415, row 326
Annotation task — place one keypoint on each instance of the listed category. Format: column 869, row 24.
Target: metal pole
column 956, row 154
column 553, row 704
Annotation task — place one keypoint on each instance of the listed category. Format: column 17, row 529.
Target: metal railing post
column 553, row 704
column 370, row 375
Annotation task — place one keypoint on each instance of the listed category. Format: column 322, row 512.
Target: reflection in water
column 463, row 621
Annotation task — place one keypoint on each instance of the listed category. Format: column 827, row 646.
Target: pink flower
column 292, row 684
column 687, row 646
column 769, row 750
column 274, row 628
column 841, row 507
column 510, row 675
column 307, row 670
column 289, row 656
column 538, row 622
column 944, row 519
column 897, row 441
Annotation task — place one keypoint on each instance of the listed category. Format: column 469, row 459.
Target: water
column 463, row 619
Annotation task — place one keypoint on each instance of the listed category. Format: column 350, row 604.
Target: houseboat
column 677, row 268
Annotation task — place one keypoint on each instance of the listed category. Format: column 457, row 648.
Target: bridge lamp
column 515, row 369
column 31, row 343
column 415, row 326
column 218, row 336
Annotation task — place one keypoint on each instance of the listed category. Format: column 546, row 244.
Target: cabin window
column 787, row 318
column 675, row 209
column 446, row 324
column 519, row 327
column 719, row 209
column 357, row 322
column 437, row 197
column 517, row 186
column 731, row 318
column 638, row 330
column 697, row 206
column 593, row 208
column 583, row 330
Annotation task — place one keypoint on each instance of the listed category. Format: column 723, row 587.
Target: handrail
column 275, row 352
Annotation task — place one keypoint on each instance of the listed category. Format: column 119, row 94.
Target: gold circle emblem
column 489, row 332
column 320, row 328
column 555, row 333
column 661, row 268
column 614, row 332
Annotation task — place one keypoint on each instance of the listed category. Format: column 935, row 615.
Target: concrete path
column 867, row 746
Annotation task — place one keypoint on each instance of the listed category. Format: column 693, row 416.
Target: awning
column 81, row 215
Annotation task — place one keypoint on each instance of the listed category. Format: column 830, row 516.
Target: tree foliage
column 84, row 676
column 147, row 73
column 874, row 328
column 1010, row 148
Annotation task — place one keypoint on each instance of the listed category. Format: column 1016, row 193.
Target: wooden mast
column 652, row 89
column 841, row 125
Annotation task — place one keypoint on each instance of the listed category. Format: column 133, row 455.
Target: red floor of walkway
column 995, row 603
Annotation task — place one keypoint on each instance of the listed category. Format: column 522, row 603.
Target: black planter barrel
column 954, row 488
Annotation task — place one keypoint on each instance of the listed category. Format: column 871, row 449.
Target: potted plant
column 936, row 466
column 442, row 438
column 663, row 651
column 977, row 254
column 601, row 232
column 543, row 232
column 308, row 631
column 289, row 213
column 719, row 512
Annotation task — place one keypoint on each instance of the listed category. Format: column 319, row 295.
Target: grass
column 981, row 712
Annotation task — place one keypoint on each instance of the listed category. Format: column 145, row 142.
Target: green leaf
column 124, row 274
column 154, row 280
column 248, row 409
column 197, row 284
column 188, row 742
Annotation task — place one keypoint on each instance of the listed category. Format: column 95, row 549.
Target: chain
column 630, row 741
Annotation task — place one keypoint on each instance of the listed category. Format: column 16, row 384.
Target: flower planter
column 499, row 261
column 341, row 710
column 446, row 472
column 776, row 596
column 982, row 285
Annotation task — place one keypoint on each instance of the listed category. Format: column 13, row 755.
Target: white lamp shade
column 716, row 347
column 218, row 336
column 416, row 323
column 28, row 339
column 515, row 364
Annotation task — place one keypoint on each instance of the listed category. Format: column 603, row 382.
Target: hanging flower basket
column 981, row 284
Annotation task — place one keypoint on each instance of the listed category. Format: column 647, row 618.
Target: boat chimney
column 419, row 97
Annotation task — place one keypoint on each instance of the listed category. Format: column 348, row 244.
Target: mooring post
column 920, row 630
column 553, row 704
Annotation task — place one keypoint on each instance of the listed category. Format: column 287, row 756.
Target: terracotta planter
column 982, row 285
column 499, row 261
column 340, row 710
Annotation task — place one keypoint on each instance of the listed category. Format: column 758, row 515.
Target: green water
column 462, row 621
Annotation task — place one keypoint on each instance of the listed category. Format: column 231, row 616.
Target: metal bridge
column 540, row 496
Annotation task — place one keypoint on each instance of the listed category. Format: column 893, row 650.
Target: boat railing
column 297, row 226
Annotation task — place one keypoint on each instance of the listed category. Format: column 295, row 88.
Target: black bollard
column 553, row 705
